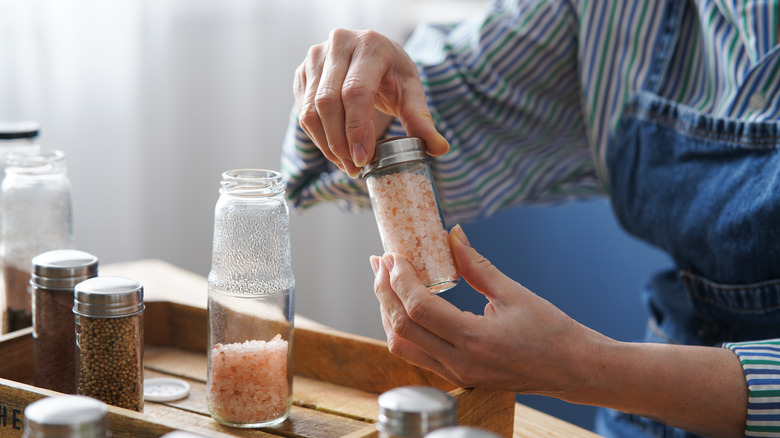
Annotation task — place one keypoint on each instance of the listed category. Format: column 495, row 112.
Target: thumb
column 477, row 270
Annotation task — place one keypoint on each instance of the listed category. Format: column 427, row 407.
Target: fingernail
column 388, row 261
column 460, row 235
column 359, row 154
column 374, row 260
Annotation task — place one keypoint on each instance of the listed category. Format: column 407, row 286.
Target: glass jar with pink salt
column 250, row 303
column 406, row 207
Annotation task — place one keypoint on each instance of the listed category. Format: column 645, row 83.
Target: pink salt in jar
column 407, row 212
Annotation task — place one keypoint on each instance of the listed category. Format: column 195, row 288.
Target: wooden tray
column 338, row 376
column 337, row 379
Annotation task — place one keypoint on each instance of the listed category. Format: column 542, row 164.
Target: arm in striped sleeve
column 504, row 90
column 761, row 362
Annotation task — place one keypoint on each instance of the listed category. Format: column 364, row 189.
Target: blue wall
column 577, row 257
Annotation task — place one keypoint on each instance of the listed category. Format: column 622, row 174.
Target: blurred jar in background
column 36, row 217
column 15, row 137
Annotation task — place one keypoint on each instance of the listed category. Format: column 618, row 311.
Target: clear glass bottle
column 251, row 300
column 15, row 137
column 55, row 274
column 36, row 217
column 414, row 411
column 407, row 212
column 110, row 340
column 66, row 416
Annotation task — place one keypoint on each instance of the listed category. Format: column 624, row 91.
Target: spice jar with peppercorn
column 109, row 337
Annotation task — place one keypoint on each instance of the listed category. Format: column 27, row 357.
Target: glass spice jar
column 36, row 217
column 109, row 337
column 250, row 304
column 15, row 137
column 414, row 411
column 66, row 416
column 55, row 273
column 406, row 208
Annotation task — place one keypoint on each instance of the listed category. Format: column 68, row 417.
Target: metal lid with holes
column 396, row 150
column 65, row 417
column 108, row 297
column 415, row 410
column 62, row 269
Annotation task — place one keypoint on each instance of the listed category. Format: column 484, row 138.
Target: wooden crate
column 338, row 376
column 337, row 379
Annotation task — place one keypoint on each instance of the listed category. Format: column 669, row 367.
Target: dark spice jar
column 55, row 274
column 109, row 337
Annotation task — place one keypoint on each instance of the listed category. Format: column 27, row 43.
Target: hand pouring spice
column 407, row 211
column 55, row 273
column 109, row 336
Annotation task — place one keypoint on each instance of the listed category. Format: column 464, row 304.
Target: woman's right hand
column 348, row 88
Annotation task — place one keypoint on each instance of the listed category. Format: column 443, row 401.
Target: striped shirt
column 528, row 92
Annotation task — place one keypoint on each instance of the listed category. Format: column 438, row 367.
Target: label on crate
column 11, row 419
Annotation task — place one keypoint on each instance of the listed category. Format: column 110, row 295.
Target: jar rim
column 37, row 161
column 252, row 182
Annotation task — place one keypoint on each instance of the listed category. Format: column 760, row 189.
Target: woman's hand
column 522, row 343
column 346, row 91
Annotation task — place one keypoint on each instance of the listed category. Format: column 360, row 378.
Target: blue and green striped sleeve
column 761, row 362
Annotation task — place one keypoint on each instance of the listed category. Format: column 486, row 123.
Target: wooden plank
column 356, row 362
column 487, row 409
column 304, row 420
column 16, row 363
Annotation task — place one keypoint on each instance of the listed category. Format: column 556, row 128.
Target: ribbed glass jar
column 251, row 302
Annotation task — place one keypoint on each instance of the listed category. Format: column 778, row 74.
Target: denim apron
column 706, row 190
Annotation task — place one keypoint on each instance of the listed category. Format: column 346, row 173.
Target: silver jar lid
column 62, row 269
column 396, row 150
column 415, row 410
column 462, row 432
column 108, row 297
column 68, row 416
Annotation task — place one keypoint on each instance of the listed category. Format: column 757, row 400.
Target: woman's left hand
column 521, row 343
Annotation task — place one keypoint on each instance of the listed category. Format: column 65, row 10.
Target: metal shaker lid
column 396, row 150
column 65, row 417
column 108, row 297
column 62, row 268
column 415, row 410
column 461, row 432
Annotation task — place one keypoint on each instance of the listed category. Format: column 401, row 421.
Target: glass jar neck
column 36, row 162
column 252, row 183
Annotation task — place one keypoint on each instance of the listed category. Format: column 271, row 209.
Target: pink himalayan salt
column 248, row 381
column 410, row 225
